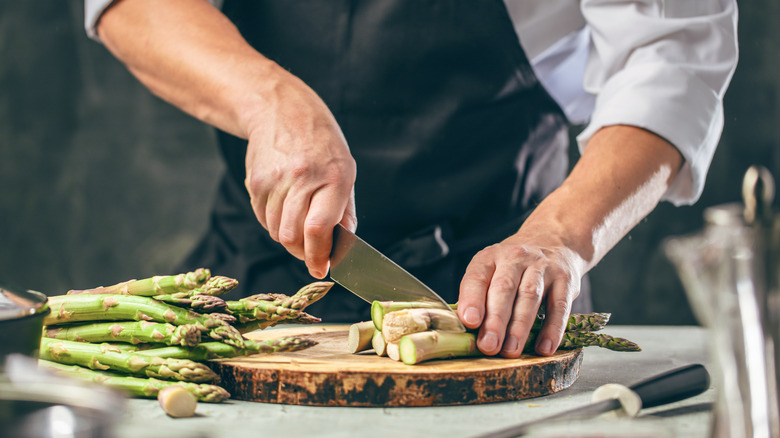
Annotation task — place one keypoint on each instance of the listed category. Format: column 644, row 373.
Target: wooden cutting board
column 328, row 375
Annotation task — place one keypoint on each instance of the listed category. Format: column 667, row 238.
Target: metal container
column 21, row 322
column 731, row 274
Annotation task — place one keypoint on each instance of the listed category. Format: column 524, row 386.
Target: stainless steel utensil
column 371, row 275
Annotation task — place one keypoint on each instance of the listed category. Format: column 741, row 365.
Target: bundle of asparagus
column 413, row 333
column 144, row 336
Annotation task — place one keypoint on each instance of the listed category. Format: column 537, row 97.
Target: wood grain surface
column 328, row 375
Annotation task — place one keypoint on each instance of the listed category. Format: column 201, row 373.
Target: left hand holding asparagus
column 504, row 286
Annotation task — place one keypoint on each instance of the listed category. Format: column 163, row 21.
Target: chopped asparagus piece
column 177, row 402
column 360, row 335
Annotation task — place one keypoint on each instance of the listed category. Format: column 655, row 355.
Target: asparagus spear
column 157, row 285
column 216, row 285
column 83, row 308
column 197, row 302
column 104, row 357
column 577, row 339
column 216, row 350
column 269, row 309
column 254, row 324
column 133, row 332
column 138, row 386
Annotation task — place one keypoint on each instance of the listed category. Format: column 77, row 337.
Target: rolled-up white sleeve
column 93, row 10
column 664, row 66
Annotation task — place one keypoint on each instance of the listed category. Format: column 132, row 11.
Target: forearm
column 620, row 178
column 189, row 54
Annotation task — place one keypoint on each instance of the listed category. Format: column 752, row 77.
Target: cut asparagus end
column 378, row 309
column 432, row 344
column 402, row 322
column 177, row 402
column 393, row 351
column 360, row 335
column 379, row 344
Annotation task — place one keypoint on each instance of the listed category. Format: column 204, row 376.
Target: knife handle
column 674, row 385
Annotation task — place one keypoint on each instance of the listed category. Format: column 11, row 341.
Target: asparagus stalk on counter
column 90, row 308
column 134, row 332
column 218, row 350
column 138, row 386
column 104, row 357
column 157, row 285
column 265, row 310
column 200, row 303
column 252, row 325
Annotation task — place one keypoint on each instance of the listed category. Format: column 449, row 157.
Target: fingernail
column 471, row 316
column 545, row 347
column 489, row 341
column 510, row 346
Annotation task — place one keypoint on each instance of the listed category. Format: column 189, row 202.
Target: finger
column 273, row 212
column 558, row 308
column 296, row 206
column 524, row 311
column 258, row 200
column 500, row 302
column 325, row 211
column 473, row 290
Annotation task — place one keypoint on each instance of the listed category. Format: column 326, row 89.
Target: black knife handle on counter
column 667, row 387
column 671, row 386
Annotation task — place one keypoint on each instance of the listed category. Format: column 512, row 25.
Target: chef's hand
column 300, row 173
column 622, row 174
column 505, row 284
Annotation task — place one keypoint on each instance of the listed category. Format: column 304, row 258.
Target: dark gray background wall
column 101, row 182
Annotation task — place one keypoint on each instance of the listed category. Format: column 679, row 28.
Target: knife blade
column 371, row 275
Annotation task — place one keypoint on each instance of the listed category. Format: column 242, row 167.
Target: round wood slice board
column 328, row 375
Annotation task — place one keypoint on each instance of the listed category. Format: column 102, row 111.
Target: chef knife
column 372, row 276
column 668, row 387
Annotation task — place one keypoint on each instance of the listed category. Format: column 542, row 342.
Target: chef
column 438, row 130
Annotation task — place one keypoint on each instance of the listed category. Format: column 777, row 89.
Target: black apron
column 454, row 138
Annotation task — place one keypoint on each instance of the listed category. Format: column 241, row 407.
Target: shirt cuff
column 93, row 10
column 673, row 104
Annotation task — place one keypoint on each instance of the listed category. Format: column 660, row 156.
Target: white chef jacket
column 662, row 65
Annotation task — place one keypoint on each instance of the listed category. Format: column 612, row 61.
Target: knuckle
column 530, row 290
column 288, row 238
column 315, row 228
column 300, row 169
column 503, row 285
column 517, row 252
column 561, row 305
